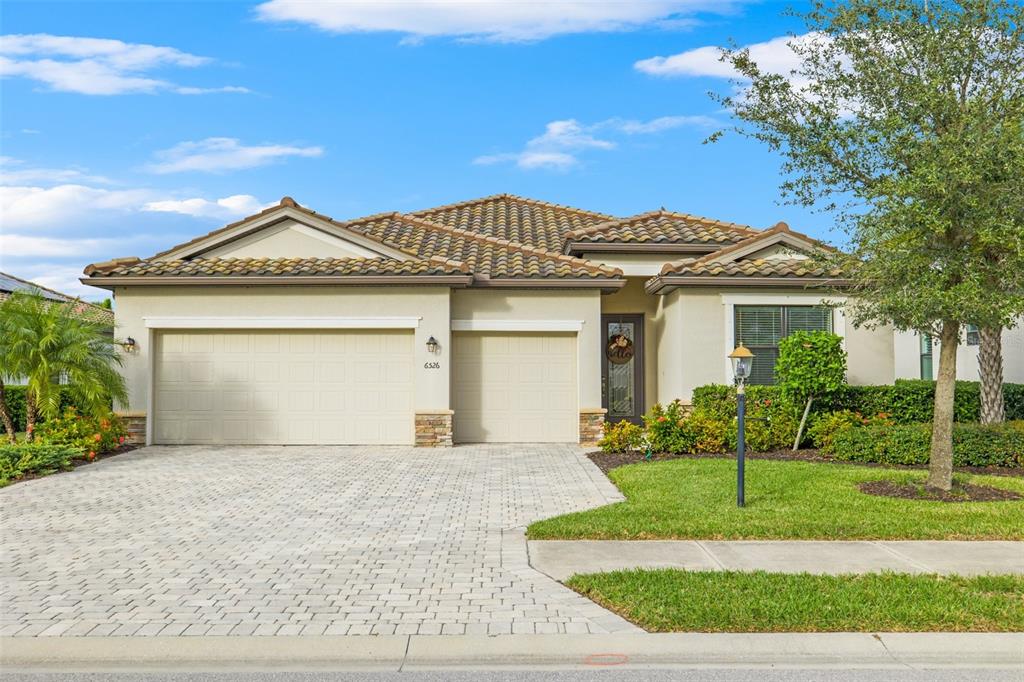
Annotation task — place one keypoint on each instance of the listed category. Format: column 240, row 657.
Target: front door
column 622, row 367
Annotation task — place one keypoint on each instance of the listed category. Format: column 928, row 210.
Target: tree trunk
column 30, row 416
column 940, row 463
column 5, row 415
column 803, row 423
column 990, row 366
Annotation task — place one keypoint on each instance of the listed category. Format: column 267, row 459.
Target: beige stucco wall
column 431, row 304
column 633, row 299
column 697, row 335
column 869, row 355
column 907, row 357
column 530, row 305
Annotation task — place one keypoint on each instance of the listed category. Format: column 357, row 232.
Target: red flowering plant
column 89, row 434
column 665, row 428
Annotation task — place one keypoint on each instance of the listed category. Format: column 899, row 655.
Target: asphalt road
column 686, row 675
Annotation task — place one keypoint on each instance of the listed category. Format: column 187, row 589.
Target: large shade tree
column 47, row 343
column 904, row 120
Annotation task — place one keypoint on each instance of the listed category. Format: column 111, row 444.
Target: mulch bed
column 606, row 461
column 959, row 493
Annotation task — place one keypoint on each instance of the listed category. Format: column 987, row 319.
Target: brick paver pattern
column 313, row 540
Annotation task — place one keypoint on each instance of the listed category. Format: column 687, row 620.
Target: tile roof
column 665, row 227
column 89, row 311
column 288, row 267
column 759, row 267
column 516, row 219
column 487, row 256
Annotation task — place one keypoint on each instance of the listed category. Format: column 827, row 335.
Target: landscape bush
column 91, row 435
column 908, row 401
column 15, row 398
column 973, row 444
column 622, row 437
column 34, row 458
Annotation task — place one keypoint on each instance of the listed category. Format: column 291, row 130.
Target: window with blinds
column 760, row 327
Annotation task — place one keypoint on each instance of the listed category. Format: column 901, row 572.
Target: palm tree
column 46, row 342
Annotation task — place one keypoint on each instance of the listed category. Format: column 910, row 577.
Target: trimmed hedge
column 908, row 401
column 33, row 458
column 14, row 396
column 973, row 444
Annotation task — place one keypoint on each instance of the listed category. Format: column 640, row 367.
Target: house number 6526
column 431, row 365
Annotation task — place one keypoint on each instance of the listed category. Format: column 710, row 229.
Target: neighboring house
column 500, row 319
column 90, row 311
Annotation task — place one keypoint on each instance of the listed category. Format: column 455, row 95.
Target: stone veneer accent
column 434, row 429
column 135, row 425
column 591, row 425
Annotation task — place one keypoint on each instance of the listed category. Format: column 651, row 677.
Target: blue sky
column 129, row 127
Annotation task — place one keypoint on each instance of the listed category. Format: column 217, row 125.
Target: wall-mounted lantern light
column 432, row 345
column 129, row 345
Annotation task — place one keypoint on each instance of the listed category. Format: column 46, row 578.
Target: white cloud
column 663, row 123
column 95, row 66
column 17, row 245
column 491, row 20
column 562, row 141
column 774, row 56
column 12, row 172
column 215, row 154
column 53, row 207
column 66, row 207
column 235, row 206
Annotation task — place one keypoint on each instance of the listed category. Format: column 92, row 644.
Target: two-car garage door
column 289, row 387
column 356, row 387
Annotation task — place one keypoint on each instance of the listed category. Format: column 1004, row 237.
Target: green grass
column 671, row 600
column 696, row 499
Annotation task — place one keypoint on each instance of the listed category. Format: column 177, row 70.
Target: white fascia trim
column 517, row 325
column 731, row 300
column 282, row 322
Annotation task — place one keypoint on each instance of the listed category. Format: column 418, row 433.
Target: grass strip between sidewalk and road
column 671, row 600
column 687, row 499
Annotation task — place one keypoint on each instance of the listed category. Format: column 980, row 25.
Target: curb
column 573, row 652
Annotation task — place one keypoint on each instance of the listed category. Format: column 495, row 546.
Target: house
column 89, row 311
column 501, row 319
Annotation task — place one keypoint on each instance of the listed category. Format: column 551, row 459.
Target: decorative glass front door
column 622, row 376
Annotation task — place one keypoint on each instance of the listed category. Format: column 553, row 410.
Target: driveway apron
column 299, row 540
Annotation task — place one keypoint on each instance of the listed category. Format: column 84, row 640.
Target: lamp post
column 742, row 362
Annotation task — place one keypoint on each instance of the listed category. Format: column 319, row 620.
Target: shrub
column 908, row 401
column 824, row 429
column 90, row 435
column 33, row 458
column 973, row 444
column 770, row 424
column 665, row 432
column 811, row 366
column 14, row 396
column 704, row 433
column 622, row 437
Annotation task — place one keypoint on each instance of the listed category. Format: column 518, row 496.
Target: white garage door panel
column 296, row 387
column 515, row 387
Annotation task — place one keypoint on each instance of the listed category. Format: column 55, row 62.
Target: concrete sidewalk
column 551, row 652
column 563, row 558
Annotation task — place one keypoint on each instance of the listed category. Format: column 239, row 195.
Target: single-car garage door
column 284, row 387
column 514, row 387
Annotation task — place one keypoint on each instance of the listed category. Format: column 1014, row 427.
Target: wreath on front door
column 619, row 350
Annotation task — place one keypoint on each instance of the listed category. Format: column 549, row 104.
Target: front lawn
column 696, row 499
column 671, row 600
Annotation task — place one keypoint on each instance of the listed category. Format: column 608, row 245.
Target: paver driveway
column 295, row 540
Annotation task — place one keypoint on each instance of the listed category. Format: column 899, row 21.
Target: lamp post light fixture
column 742, row 363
